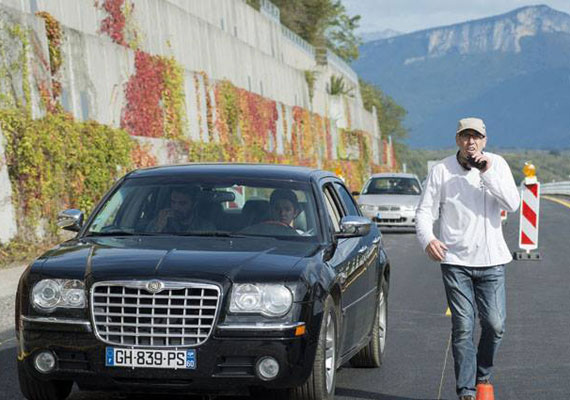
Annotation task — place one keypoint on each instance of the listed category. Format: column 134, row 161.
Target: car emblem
column 154, row 286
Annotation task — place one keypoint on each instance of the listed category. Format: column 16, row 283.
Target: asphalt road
column 533, row 362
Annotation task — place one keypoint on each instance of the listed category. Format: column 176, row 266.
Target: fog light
column 267, row 368
column 45, row 362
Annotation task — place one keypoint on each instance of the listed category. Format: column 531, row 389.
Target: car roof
column 394, row 175
column 262, row 171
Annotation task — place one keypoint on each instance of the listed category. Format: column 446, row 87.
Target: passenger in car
column 408, row 186
column 181, row 216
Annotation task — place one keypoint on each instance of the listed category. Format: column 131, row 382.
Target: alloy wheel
column 382, row 322
column 330, row 352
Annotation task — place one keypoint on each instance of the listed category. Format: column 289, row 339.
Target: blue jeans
column 468, row 289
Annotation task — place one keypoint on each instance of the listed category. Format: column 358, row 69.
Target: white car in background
column 390, row 199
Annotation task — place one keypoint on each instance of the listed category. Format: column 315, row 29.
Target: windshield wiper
column 208, row 234
column 119, row 233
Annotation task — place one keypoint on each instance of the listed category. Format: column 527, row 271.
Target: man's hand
column 479, row 158
column 163, row 216
column 436, row 250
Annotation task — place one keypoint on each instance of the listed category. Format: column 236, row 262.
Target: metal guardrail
column 270, row 9
column 298, row 40
column 340, row 64
column 556, row 188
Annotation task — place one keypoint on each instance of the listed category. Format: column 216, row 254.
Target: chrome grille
column 126, row 313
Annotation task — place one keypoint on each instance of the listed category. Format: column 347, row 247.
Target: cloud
column 412, row 15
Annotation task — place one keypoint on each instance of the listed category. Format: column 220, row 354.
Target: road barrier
column 529, row 216
column 556, row 188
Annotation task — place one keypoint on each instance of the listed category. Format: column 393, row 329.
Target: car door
column 345, row 262
column 366, row 276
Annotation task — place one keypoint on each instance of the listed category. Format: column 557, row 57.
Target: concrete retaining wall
column 226, row 39
column 251, row 49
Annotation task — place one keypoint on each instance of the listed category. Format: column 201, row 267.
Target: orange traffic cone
column 485, row 391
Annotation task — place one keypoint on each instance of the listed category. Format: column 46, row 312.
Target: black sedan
column 206, row 278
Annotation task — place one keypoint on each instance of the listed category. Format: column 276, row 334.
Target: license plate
column 387, row 215
column 139, row 358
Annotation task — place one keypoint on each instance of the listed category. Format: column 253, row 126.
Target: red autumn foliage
column 114, row 23
column 143, row 114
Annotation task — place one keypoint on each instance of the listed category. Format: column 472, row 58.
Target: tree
column 322, row 23
column 390, row 117
column 254, row 3
column 337, row 87
column 390, row 114
column 341, row 34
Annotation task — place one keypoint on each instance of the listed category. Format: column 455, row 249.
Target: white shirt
column 468, row 204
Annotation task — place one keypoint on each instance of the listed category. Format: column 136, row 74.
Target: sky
column 412, row 15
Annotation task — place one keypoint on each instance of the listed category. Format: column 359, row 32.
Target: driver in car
column 181, row 216
column 284, row 207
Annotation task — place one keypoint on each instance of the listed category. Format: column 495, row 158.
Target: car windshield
column 393, row 185
column 208, row 207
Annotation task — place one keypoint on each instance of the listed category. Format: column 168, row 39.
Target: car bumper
column 226, row 360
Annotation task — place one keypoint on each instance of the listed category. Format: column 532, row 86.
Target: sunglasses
column 474, row 135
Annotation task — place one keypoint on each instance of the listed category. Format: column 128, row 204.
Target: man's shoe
column 485, row 391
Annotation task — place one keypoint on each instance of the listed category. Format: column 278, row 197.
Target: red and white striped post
column 529, row 216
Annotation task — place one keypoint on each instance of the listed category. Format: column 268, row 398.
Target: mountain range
column 512, row 70
column 377, row 35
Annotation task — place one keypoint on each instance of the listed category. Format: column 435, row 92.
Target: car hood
column 389, row 199
column 218, row 259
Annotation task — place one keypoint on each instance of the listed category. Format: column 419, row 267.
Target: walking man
column 467, row 191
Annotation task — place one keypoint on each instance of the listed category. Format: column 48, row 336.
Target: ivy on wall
column 243, row 127
column 114, row 24
column 155, row 98
column 119, row 23
column 53, row 162
column 247, row 125
column 143, row 115
column 50, row 94
column 54, row 36
column 173, row 98
column 14, row 68
column 141, row 156
column 311, row 78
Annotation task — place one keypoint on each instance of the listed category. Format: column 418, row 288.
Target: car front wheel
column 36, row 389
column 321, row 382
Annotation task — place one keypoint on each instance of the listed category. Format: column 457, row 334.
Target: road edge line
column 559, row 201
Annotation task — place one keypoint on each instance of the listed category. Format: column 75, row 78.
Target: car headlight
column 49, row 294
column 408, row 208
column 272, row 300
column 368, row 207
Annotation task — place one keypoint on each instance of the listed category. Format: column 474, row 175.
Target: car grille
column 178, row 314
column 388, row 208
column 390, row 220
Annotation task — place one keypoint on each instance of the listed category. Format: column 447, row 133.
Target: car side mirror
column 353, row 226
column 71, row 220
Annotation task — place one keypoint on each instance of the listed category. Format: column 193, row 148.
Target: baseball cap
column 476, row 124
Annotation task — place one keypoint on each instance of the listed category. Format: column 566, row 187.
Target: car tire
column 322, row 381
column 36, row 389
column 372, row 355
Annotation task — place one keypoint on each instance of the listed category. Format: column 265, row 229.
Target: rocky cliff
column 512, row 69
